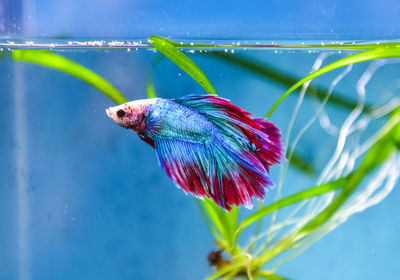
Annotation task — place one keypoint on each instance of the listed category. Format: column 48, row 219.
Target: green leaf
column 219, row 220
column 67, row 66
column 155, row 61
column 151, row 93
column 302, row 164
column 223, row 224
column 167, row 47
column 380, row 52
column 210, row 225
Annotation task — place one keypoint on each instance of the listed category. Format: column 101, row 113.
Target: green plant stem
column 269, row 275
column 237, row 265
column 256, row 231
column 306, row 194
column 209, row 224
column 218, row 219
column 231, row 274
column 377, row 53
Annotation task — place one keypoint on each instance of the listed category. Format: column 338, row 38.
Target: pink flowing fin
column 208, row 170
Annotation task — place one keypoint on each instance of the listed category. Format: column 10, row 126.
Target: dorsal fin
column 232, row 120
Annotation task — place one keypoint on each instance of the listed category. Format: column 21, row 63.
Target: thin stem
column 376, row 53
column 306, row 194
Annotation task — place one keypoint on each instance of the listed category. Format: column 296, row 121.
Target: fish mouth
column 113, row 116
column 109, row 112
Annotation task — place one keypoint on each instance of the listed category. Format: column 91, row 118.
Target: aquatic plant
column 344, row 187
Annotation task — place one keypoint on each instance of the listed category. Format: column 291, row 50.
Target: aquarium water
column 83, row 199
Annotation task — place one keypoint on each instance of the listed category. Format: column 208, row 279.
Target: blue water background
column 101, row 208
column 256, row 19
column 98, row 205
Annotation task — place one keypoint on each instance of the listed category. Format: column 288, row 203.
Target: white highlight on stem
column 317, row 64
column 348, row 152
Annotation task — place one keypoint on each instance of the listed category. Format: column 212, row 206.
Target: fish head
column 131, row 115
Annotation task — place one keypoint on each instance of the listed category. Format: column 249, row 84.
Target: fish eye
column 121, row 113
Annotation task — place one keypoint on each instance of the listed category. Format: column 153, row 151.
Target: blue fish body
column 174, row 121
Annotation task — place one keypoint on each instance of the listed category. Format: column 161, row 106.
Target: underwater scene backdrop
column 82, row 198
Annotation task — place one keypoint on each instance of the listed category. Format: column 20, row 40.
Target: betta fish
column 206, row 145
